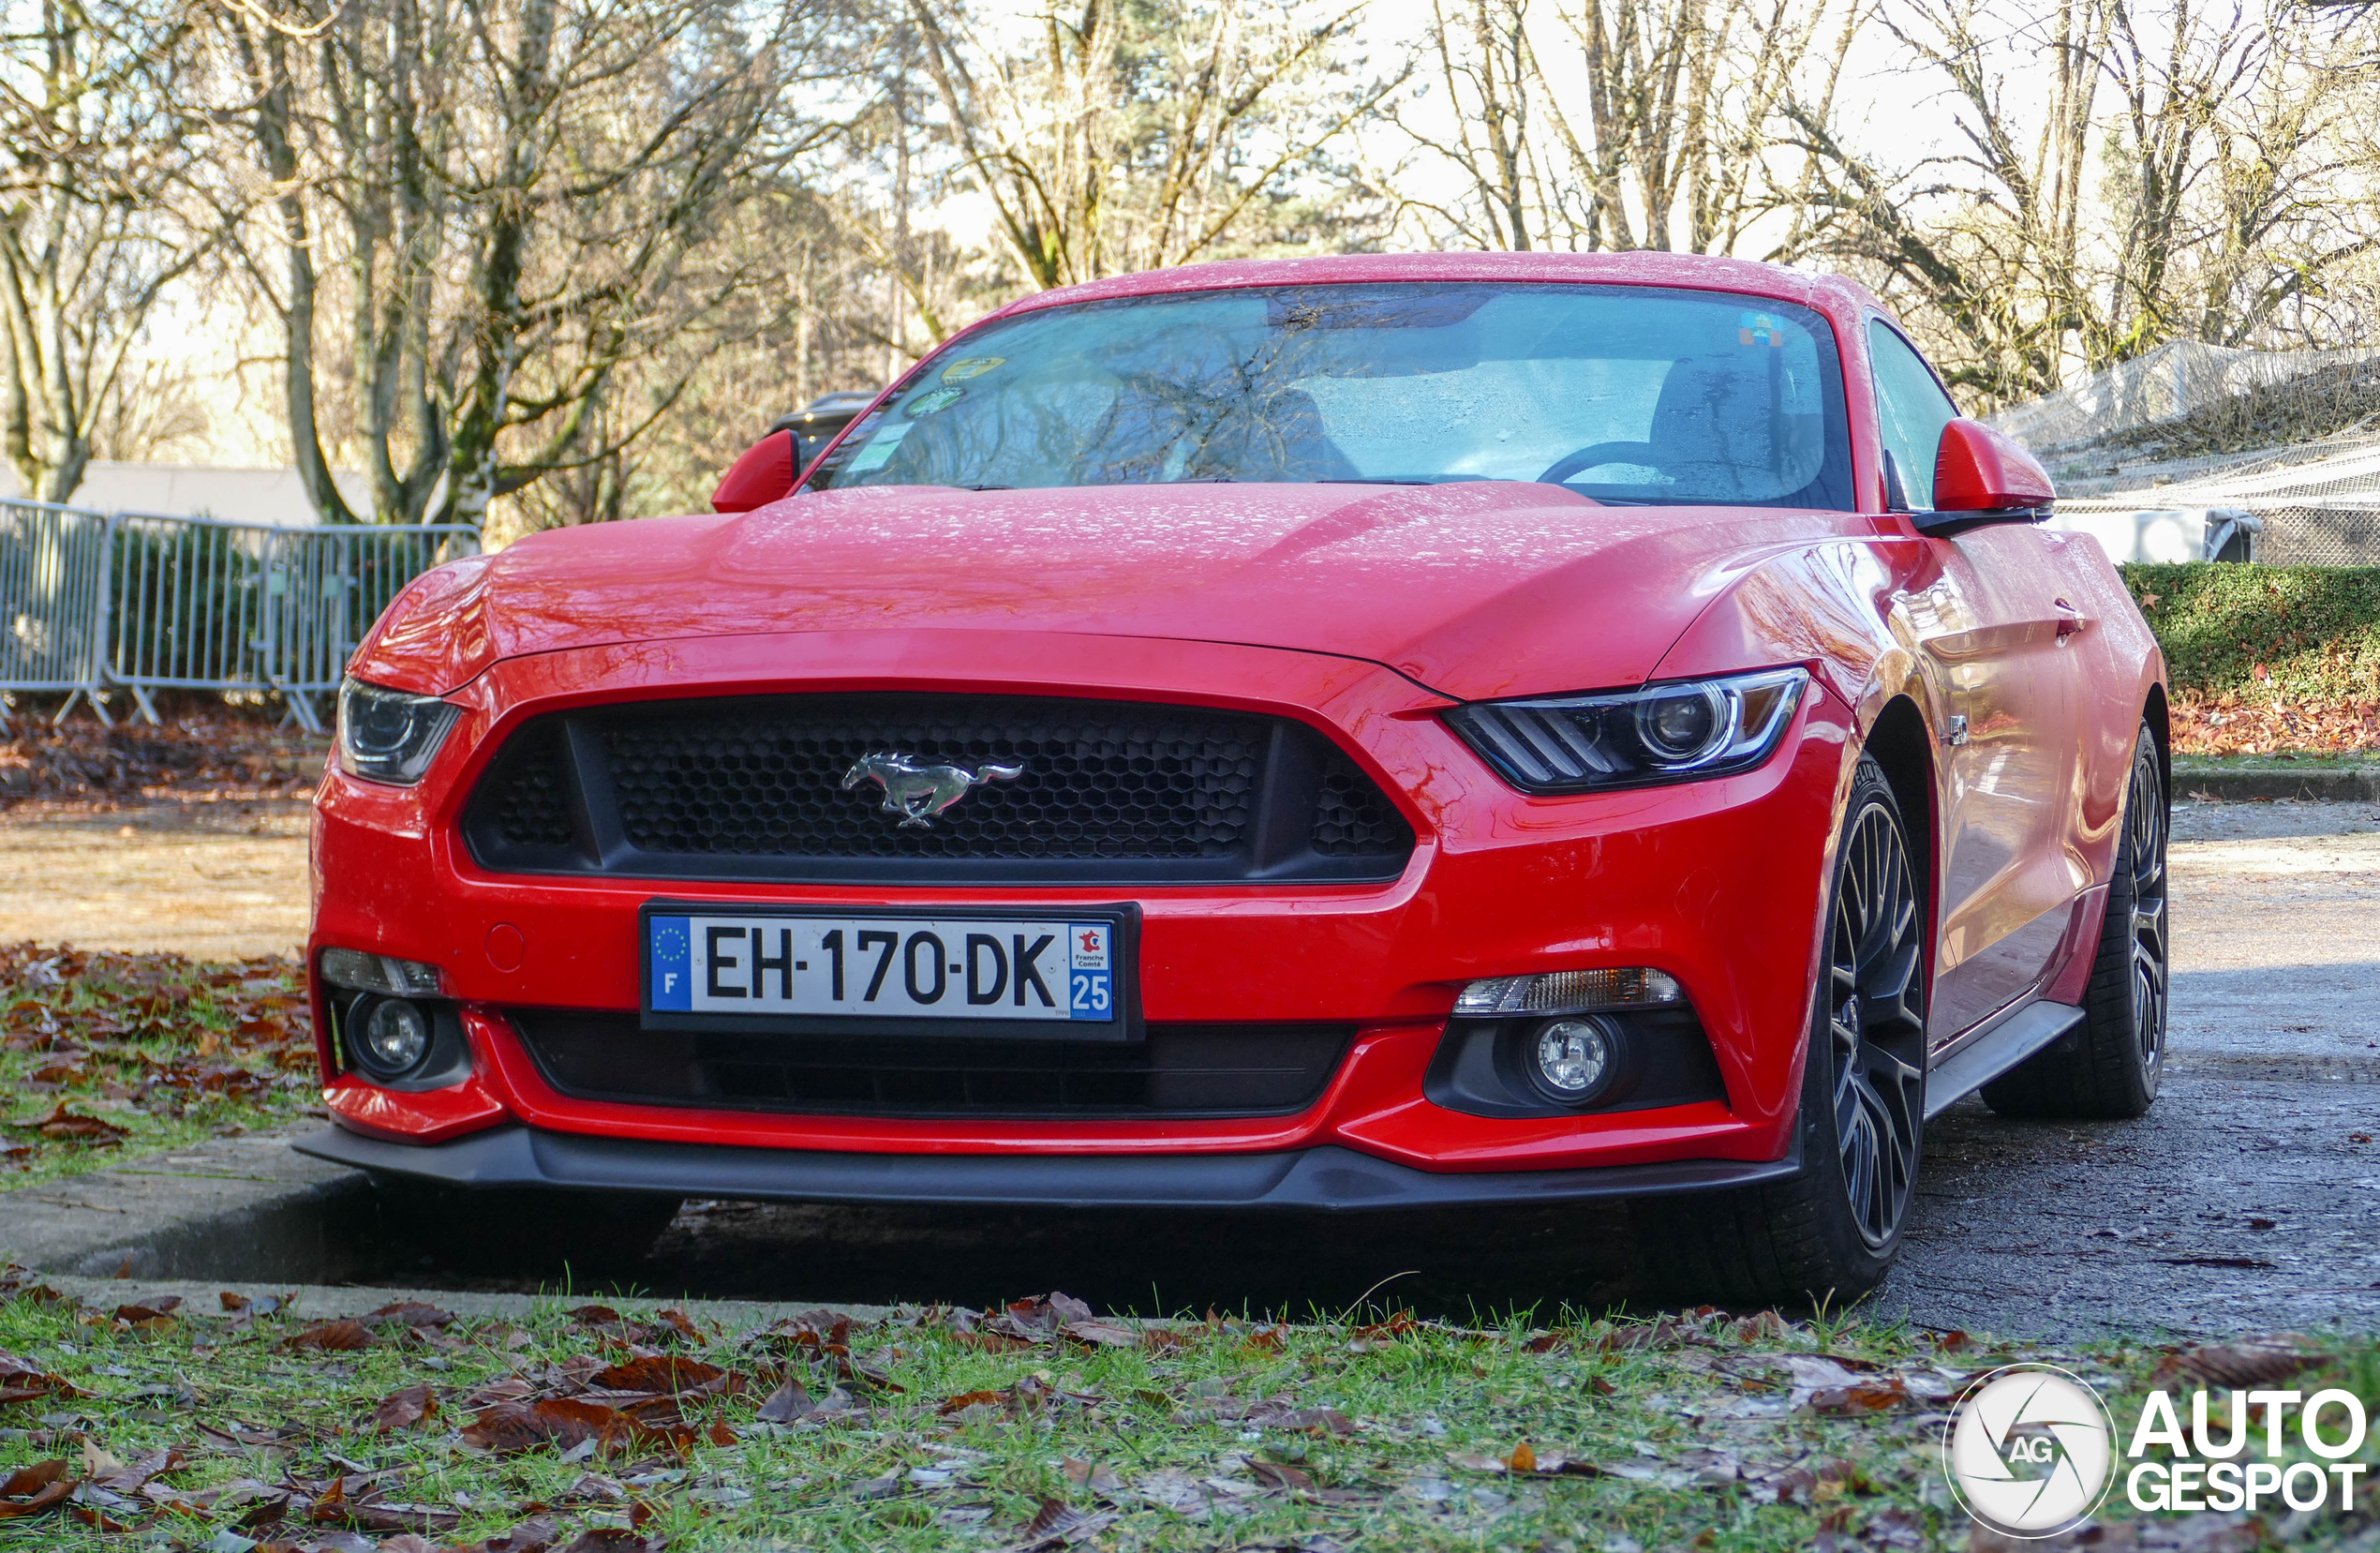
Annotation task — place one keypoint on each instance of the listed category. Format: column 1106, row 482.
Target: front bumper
column 1716, row 883
column 1327, row 1178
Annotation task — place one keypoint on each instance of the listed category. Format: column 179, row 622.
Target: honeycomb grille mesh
column 1099, row 780
column 1352, row 818
column 1095, row 783
column 533, row 809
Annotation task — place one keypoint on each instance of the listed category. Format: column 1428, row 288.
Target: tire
column 2111, row 1067
column 1830, row 1234
column 525, row 1229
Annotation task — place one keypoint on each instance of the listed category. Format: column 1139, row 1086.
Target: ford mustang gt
column 1338, row 734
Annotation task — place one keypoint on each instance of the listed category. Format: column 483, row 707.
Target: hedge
column 2303, row 633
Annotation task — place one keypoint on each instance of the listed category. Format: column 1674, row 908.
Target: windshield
column 1626, row 393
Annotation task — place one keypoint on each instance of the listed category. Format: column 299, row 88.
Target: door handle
column 2071, row 621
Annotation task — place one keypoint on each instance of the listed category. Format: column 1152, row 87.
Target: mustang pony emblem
column 917, row 792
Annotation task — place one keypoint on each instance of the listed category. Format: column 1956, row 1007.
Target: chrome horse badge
column 917, row 792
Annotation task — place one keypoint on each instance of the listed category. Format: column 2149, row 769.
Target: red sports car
column 1352, row 733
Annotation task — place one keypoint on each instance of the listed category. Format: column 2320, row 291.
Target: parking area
column 2245, row 1199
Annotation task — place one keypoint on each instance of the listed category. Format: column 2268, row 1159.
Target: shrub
column 2302, row 634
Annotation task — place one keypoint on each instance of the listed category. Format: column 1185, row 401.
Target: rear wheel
column 2112, row 1067
column 1833, row 1230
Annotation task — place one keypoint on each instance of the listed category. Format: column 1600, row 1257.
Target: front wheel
column 1831, row 1231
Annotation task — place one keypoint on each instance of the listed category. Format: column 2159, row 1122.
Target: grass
column 1217, row 1434
column 105, row 1055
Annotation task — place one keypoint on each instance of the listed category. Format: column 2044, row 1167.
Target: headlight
column 1676, row 732
column 388, row 736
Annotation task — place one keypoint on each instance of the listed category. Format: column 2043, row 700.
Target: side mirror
column 765, row 473
column 1980, row 477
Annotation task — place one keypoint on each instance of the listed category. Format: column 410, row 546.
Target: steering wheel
column 1599, row 452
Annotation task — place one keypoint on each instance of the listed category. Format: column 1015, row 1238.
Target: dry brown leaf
column 669, row 1375
column 31, row 1490
column 787, row 1403
column 402, row 1410
column 341, row 1337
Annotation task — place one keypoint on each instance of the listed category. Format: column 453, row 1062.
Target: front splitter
column 1326, row 1178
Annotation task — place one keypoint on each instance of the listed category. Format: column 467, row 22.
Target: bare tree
column 2182, row 177
column 1134, row 134
column 97, row 218
column 521, row 199
column 1625, row 124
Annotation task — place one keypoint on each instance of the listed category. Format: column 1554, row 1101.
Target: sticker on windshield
column 880, row 448
column 1760, row 329
column 940, row 398
column 972, row 367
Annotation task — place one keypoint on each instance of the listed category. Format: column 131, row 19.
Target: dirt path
column 218, row 880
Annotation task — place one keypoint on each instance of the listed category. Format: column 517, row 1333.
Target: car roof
column 1703, row 271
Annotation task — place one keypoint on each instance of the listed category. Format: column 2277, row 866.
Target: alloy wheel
column 2145, row 849
column 1876, row 1025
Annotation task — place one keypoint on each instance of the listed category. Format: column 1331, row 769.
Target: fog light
column 396, row 1036
column 1569, row 991
column 379, row 973
column 1573, row 1059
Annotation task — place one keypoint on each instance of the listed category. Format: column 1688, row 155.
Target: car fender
column 1839, row 608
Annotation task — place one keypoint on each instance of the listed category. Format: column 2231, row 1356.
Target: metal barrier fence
column 144, row 601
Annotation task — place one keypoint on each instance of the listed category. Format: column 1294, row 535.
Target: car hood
column 1474, row 590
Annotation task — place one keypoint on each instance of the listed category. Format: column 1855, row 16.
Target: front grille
column 1178, row 1070
column 1103, row 791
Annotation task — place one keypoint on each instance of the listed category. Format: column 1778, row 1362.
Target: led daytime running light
column 379, row 973
column 1569, row 991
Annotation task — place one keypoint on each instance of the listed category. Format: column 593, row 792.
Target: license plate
column 1061, row 974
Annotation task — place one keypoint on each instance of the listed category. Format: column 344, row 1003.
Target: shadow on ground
column 1458, row 1266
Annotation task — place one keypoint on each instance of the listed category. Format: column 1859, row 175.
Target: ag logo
column 2029, row 1450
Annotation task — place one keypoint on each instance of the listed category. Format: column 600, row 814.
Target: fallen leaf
column 31, row 1490
column 342, row 1337
column 412, row 1313
column 611, row 1539
column 1522, row 1460
column 668, row 1374
column 1058, row 1523
column 966, row 1399
column 787, row 1403
column 150, row 1312
column 2242, row 1363
column 133, row 1478
column 1277, row 1475
column 1101, row 1335
column 1092, row 1477
column 63, row 1124
column 402, row 1410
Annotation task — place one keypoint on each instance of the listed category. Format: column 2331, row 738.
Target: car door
column 1993, row 630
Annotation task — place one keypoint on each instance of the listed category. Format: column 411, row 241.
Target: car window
column 1911, row 412
column 1624, row 394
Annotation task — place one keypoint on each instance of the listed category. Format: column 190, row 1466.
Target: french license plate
column 1049, row 974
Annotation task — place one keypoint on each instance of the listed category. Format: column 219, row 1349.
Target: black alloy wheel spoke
column 2144, row 838
column 1876, row 1025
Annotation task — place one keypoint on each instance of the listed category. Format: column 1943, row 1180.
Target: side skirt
column 1972, row 1066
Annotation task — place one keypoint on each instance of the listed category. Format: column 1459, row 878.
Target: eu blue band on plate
column 672, row 951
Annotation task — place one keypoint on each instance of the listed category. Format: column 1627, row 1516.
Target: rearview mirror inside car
column 765, row 473
column 1980, row 477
